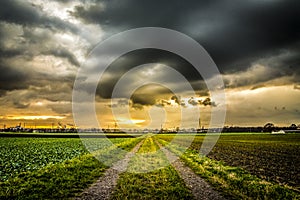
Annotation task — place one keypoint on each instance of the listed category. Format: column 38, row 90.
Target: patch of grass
column 148, row 158
column 148, row 146
column 62, row 180
column 159, row 184
column 153, row 180
column 234, row 182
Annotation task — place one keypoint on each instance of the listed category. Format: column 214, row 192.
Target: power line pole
column 115, row 126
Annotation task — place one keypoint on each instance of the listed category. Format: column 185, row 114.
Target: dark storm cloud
column 120, row 103
column 20, row 85
column 43, row 43
column 235, row 34
column 206, row 102
column 24, row 13
column 148, row 95
column 54, row 90
column 21, row 42
column 130, row 14
column 176, row 99
column 19, row 12
column 63, row 53
column 139, row 57
column 193, row 102
column 7, row 53
column 20, row 105
column 143, row 99
column 11, row 78
column 61, row 109
column 19, row 100
column 27, row 32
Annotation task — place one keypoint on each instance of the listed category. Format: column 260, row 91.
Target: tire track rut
column 103, row 188
column 198, row 186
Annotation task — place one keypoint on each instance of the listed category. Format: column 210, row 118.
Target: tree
column 293, row 126
column 269, row 127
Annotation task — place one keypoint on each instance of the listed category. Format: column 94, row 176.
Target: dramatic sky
column 255, row 44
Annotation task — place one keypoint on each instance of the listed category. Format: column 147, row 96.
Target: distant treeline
column 269, row 127
column 40, row 130
column 237, row 129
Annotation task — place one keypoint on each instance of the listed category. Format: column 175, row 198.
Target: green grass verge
column 233, row 182
column 161, row 183
column 62, row 180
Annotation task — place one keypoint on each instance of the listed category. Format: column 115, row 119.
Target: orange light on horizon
column 34, row 117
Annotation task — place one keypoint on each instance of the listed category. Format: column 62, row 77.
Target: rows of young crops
column 29, row 154
column 73, row 171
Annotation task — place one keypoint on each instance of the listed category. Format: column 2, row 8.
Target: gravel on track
column 198, row 186
column 104, row 187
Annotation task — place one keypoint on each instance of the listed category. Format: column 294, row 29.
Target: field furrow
column 273, row 158
column 233, row 182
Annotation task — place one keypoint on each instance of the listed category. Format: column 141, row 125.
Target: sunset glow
column 34, row 117
column 44, row 44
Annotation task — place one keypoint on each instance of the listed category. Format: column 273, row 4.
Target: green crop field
column 247, row 166
column 53, row 168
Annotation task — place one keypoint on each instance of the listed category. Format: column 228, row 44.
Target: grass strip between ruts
column 156, row 179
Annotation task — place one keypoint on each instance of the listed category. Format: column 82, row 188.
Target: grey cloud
column 20, row 105
column 207, row 102
column 30, row 43
column 54, row 90
column 235, row 35
column 242, row 33
column 148, row 96
column 258, row 75
column 50, row 87
column 121, row 103
column 297, row 87
column 61, row 108
column 193, row 102
column 135, row 58
column 19, row 12
column 12, row 78
column 131, row 14
column 20, row 100
column 63, row 53
column 258, row 86
column 43, row 43
column 176, row 99
column 143, row 99
column 16, row 70
column 24, row 13
column 165, row 102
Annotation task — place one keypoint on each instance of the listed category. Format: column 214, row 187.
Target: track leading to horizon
column 150, row 171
